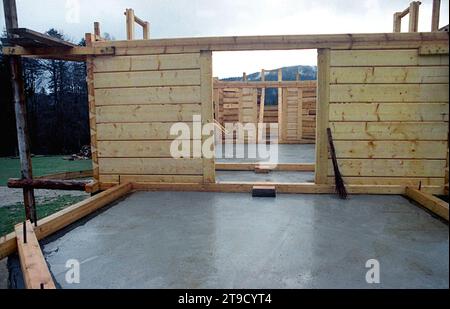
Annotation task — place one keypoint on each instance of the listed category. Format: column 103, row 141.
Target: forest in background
column 57, row 109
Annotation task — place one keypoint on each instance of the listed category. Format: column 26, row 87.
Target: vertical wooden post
column 97, row 30
column 435, row 15
column 244, row 77
column 130, row 23
column 297, row 76
column 206, row 95
column 262, row 100
column 397, row 27
column 146, row 30
column 323, row 101
column 280, row 108
column 299, row 113
column 414, row 16
column 23, row 141
column 92, row 113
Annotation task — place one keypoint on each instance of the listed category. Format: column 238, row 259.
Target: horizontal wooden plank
column 147, row 95
column 144, row 113
column 389, row 93
column 137, row 131
column 32, row 262
column 384, row 58
column 389, row 130
column 148, row 166
column 389, row 112
column 147, row 78
column 109, row 178
column 391, row 149
column 429, row 201
column 137, row 149
column 146, row 63
column 380, row 181
column 163, row 178
column 389, row 168
column 395, row 75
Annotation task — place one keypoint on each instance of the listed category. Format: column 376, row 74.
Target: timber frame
column 333, row 52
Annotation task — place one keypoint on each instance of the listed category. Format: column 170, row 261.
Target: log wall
column 137, row 100
column 388, row 111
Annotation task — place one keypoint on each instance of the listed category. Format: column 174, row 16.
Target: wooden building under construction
column 385, row 97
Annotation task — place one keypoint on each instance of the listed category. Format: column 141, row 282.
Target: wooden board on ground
column 36, row 274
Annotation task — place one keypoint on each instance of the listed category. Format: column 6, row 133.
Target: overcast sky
column 188, row 18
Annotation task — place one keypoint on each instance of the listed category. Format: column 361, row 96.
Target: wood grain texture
column 389, row 112
column 141, row 131
column 151, row 166
column 147, row 113
column 147, row 95
column 408, row 57
column 389, row 75
column 146, row 63
column 390, row 131
column 32, row 262
column 389, row 93
column 391, row 149
column 147, row 78
column 390, row 168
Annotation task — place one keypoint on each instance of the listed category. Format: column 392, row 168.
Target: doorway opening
column 271, row 97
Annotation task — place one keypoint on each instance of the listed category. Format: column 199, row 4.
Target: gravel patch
column 9, row 196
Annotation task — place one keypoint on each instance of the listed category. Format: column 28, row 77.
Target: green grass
column 10, row 168
column 13, row 214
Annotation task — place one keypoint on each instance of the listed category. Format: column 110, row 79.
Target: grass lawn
column 10, row 168
column 12, row 214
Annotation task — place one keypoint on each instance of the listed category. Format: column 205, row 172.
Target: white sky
column 189, row 18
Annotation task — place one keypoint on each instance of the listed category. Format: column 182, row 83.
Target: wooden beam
column 92, row 108
column 23, row 140
column 265, row 84
column 414, row 16
column 291, row 188
column 435, row 15
column 129, row 13
column 281, row 135
column 434, row 204
column 286, row 42
column 67, row 216
column 262, row 100
column 281, row 42
column 67, row 175
column 44, row 52
column 36, row 274
column 207, row 112
column 322, row 117
column 146, row 30
column 41, row 38
column 397, row 27
column 301, row 167
column 51, row 184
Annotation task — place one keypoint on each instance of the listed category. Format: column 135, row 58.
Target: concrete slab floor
column 272, row 176
column 286, row 153
column 231, row 240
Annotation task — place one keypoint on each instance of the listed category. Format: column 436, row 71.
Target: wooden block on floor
column 36, row 274
column 262, row 169
column 264, row 191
